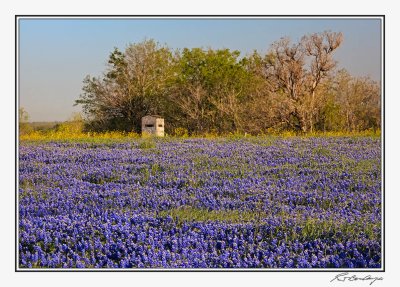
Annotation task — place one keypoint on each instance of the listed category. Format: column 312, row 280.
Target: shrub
column 181, row 132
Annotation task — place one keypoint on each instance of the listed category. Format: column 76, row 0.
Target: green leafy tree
column 134, row 85
column 210, row 89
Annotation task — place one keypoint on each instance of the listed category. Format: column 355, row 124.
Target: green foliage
column 211, row 88
column 181, row 132
column 134, row 85
column 217, row 92
column 74, row 126
column 147, row 143
column 331, row 118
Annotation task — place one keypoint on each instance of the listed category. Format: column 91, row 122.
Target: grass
column 321, row 151
column 188, row 213
column 314, row 228
column 353, row 134
column 146, row 143
column 310, row 228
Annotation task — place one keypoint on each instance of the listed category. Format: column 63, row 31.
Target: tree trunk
column 312, row 108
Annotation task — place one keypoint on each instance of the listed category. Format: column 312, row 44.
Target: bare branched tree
column 298, row 69
column 319, row 47
column 285, row 68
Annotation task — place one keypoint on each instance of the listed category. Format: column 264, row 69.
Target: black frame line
column 199, row 17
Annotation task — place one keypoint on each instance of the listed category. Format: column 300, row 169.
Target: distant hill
column 43, row 125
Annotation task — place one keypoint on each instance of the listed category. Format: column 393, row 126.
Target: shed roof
column 153, row 116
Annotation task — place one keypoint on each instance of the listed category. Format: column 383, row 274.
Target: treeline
column 294, row 86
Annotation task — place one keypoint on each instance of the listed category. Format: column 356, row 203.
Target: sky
column 55, row 54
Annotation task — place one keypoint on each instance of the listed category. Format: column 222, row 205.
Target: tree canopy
column 294, row 86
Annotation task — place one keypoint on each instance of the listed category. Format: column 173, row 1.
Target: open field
column 201, row 203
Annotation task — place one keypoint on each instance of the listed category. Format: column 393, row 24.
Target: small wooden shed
column 153, row 125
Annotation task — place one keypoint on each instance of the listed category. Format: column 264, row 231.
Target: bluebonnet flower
column 283, row 205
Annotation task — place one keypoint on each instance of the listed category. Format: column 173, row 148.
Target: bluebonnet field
column 201, row 203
